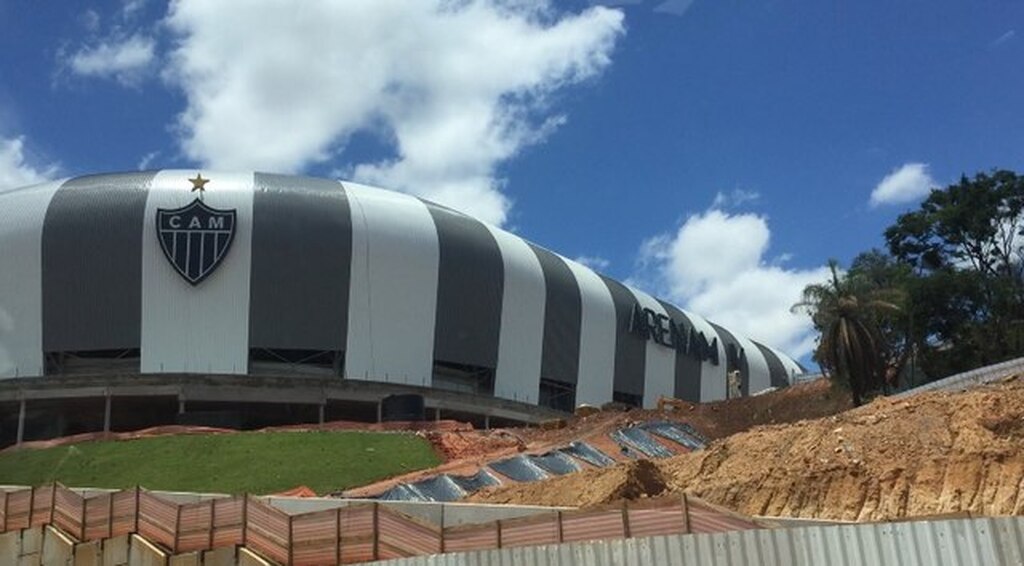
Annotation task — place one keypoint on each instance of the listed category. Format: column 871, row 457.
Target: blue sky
column 716, row 152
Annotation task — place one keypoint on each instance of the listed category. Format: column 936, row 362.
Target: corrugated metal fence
column 351, row 534
column 967, row 379
column 967, row 542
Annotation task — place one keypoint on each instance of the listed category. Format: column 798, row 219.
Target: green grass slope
column 253, row 462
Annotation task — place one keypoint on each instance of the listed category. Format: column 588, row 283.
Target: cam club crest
column 196, row 237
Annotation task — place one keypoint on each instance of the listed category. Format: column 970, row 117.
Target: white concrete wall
column 393, row 293
column 521, row 339
column 21, row 279
column 597, row 337
column 203, row 328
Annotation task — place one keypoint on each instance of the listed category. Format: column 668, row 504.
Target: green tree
column 964, row 247
column 889, row 281
column 851, row 349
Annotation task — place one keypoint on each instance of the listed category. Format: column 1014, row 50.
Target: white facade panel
column 597, row 337
column 393, row 294
column 521, row 339
column 660, row 360
column 202, row 328
column 21, row 279
column 760, row 374
column 713, row 386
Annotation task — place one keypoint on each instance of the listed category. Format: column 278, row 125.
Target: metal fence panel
column 952, row 542
column 971, row 378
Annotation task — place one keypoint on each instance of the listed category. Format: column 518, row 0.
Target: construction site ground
column 929, row 454
column 466, row 451
column 801, row 451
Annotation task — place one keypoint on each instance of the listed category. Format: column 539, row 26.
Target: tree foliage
column 955, row 269
column 964, row 245
column 848, row 310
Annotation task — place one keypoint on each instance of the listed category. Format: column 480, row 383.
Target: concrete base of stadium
column 39, row 408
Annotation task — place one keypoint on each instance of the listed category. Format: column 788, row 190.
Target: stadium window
column 279, row 361
column 630, row 399
column 463, row 378
column 557, row 395
column 85, row 362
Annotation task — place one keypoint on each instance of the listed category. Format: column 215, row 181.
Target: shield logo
column 195, row 238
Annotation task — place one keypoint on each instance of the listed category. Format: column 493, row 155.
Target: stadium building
column 147, row 298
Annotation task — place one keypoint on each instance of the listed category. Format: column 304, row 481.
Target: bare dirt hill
column 933, row 453
column 466, row 451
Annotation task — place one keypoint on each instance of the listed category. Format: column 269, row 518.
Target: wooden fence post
column 110, row 515
column 376, row 531
column 213, row 521
column 291, row 540
column 3, row 525
column 442, row 528
column 497, row 524
column 31, row 504
column 558, row 516
column 137, row 512
column 245, row 518
column 625, row 519
column 81, row 523
column 53, row 501
column 337, row 536
column 686, row 515
column 177, row 529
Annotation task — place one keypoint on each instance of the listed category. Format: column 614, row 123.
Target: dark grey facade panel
column 729, row 340
column 630, row 349
column 563, row 317
column 301, row 263
column 777, row 371
column 470, row 285
column 687, row 384
column 92, row 263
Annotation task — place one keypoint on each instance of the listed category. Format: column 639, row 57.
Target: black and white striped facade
column 367, row 284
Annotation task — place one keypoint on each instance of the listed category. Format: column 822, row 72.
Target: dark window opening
column 85, row 362
column 463, row 378
column 273, row 361
column 557, row 395
column 732, row 358
column 631, row 399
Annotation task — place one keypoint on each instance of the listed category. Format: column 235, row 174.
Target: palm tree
column 851, row 349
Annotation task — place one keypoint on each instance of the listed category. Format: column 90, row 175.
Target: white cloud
column 15, row 171
column 597, row 263
column 147, row 160
column 131, row 8
column 124, row 60
column 905, row 184
column 90, row 20
column 1003, row 39
column 716, row 264
column 456, row 89
column 734, row 198
column 674, row 7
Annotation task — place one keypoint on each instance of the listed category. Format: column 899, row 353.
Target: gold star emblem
column 199, row 183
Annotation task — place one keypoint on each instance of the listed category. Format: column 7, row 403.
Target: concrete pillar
column 181, row 405
column 21, row 422
column 106, row 412
column 380, row 411
column 437, row 414
column 487, row 422
column 321, row 413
